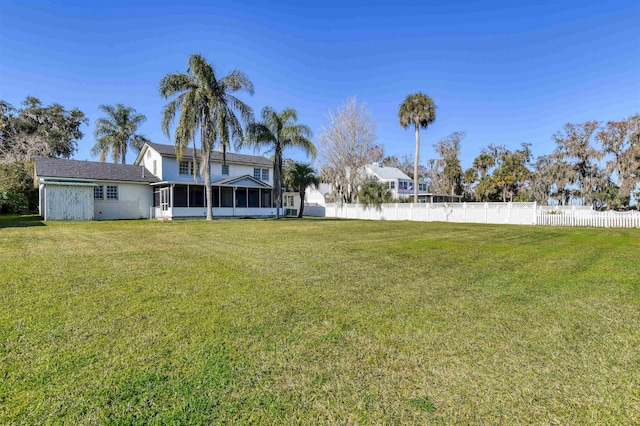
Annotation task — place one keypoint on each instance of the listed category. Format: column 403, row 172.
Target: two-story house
column 401, row 186
column 157, row 185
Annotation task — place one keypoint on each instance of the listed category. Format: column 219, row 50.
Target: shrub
column 13, row 203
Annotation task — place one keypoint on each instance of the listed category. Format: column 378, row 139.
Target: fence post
column 396, row 211
column 486, row 208
column 464, row 212
column 535, row 213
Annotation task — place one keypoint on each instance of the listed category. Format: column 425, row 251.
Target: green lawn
column 317, row 321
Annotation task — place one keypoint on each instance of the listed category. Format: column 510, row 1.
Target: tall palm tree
column 418, row 110
column 117, row 131
column 207, row 106
column 278, row 131
column 302, row 176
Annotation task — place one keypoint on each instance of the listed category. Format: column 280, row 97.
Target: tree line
column 593, row 164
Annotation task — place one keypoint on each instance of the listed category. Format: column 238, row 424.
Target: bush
column 13, row 203
column 16, row 180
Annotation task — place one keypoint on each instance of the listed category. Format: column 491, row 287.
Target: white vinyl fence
column 591, row 218
column 495, row 213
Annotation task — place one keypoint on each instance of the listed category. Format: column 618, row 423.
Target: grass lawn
column 317, row 321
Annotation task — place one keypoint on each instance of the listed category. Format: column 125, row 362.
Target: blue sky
column 505, row 73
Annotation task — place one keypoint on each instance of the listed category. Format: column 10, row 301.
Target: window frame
column 227, row 168
column 114, row 190
column 100, row 190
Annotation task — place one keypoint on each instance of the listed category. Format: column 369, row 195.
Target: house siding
column 171, row 171
column 134, row 202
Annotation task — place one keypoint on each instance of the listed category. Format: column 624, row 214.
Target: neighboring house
column 314, row 196
column 401, row 186
column 157, row 185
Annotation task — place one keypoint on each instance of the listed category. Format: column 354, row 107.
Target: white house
column 157, row 185
column 401, row 185
column 314, row 196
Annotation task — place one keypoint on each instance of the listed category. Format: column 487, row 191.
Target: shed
column 67, row 200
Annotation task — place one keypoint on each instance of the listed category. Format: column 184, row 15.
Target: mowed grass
column 317, row 321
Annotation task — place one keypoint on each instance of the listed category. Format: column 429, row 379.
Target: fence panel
column 496, row 213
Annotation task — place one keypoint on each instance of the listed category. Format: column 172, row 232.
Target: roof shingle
column 76, row 169
column 170, row 150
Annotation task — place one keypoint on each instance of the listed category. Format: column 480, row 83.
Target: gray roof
column 76, row 169
column 387, row 172
column 170, row 150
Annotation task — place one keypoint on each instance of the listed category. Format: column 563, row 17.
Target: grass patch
column 317, row 321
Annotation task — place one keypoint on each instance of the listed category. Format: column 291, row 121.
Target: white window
column 112, row 192
column 256, row 173
column 186, row 168
column 155, row 167
column 225, row 169
column 98, row 192
column 265, row 174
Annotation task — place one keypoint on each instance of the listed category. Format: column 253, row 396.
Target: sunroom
column 242, row 196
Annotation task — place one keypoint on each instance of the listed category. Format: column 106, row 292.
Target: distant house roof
column 76, row 169
column 387, row 172
column 170, row 150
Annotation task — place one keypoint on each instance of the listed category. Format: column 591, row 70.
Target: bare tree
column 346, row 147
column 405, row 163
column 445, row 173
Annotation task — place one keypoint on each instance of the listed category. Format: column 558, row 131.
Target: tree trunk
column 206, row 174
column 277, row 180
column 301, row 204
column 415, row 166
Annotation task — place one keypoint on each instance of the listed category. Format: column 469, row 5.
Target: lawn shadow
column 20, row 221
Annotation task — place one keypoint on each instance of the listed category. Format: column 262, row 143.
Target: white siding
column 171, row 172
column 134, row 202
column 67, row 202
column 148, row 158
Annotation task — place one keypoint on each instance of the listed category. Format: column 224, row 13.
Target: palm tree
column 420, row 110
column 206, row 105
column 278, row 131
column 374, row 193
column 303, row 175
column 483, row 163
column 117, row 131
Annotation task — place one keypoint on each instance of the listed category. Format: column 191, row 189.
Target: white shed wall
column 134, row 202
column 67, row 202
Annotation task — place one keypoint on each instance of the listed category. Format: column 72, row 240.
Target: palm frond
column 172, row 84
